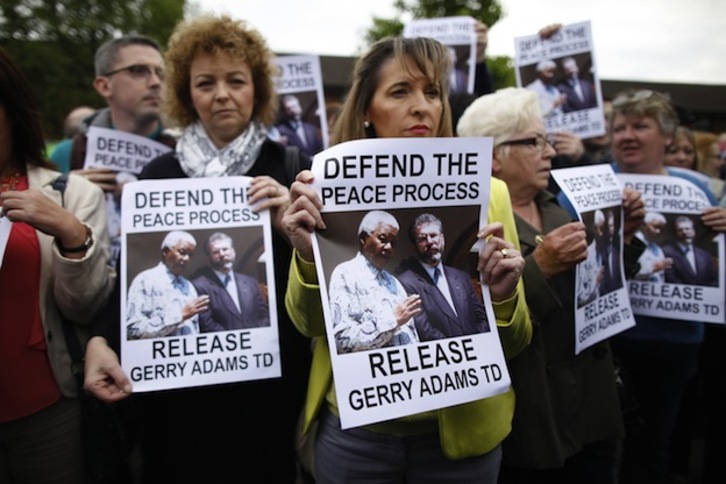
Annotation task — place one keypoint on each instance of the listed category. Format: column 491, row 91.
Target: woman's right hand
column 561, row 249
column 303, row 215
column 104, row 378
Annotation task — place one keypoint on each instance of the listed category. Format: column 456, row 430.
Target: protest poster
column 681, row 272
column 602, row 307
column 125, row 153
column 118, row 150
column 459, row 37
column 386, row 368
column 301, row 120
column 562, row 71
column 174, row 307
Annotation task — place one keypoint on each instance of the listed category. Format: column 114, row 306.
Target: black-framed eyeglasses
column 631, row 97
column 139, row 71
column 537, row 141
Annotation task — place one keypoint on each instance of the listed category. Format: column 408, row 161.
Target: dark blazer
column 438, row 320
column 276, row 405
column 222, row 314
column 312, row 136
column 681, row 271
column 574, row 103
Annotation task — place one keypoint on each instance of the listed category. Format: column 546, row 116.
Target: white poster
column 563, row 72
column 197, row 285
column 681, row 274
column 302, row 120
column 127, row 154
column 120, row 151
column 459, row 37
column 602, row 307
column 390, row 204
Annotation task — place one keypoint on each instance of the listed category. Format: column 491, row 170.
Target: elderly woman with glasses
column 659, row 354
column 567, row 417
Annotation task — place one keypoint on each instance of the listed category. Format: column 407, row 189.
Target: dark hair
column 22, row 114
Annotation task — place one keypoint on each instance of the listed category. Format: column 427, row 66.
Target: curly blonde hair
column 216, row 35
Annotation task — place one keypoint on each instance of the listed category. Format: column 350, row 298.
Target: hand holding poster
column 404, row 339
column 561, row 69
column 190, row 320
column 681, row 274
column 602, row 304
column 126, row 154
column 459, row 37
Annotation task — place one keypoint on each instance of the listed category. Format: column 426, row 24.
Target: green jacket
column 465, row 430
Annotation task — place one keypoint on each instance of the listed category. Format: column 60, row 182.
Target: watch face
column 81, row 248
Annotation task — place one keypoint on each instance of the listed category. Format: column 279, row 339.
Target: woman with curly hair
column 219, row 88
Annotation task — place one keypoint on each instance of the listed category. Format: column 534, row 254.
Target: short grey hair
column 651, row 217
column 545, row 64
column 373, row 219
column 501, row 114
column 176, row 236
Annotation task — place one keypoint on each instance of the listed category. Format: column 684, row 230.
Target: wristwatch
column 80, row 248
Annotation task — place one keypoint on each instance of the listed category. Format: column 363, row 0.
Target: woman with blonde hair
column 400, row 89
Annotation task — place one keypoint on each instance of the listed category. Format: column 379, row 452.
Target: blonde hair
column 214, row 35
column 703, row 142
column 428, row 55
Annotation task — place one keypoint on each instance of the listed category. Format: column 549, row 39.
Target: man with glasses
column 450, row 304
column 129, row 73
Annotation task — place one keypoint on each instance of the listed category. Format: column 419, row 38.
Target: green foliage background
column 488, row 11
column 53, row 42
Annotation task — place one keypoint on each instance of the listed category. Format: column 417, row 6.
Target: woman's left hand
column 266, row 192
column 40, row 212
column 714, row 218
column 500, row 263
column 634, row 210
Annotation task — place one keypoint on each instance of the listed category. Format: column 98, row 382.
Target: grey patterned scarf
column 199, row 157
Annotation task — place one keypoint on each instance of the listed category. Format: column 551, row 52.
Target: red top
column 27, row 384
